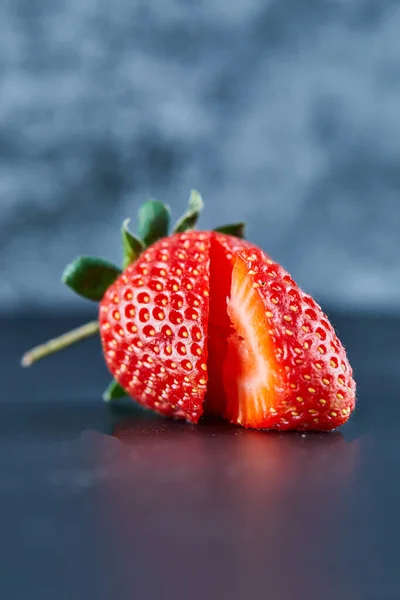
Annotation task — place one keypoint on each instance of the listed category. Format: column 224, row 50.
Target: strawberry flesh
column 250, row 372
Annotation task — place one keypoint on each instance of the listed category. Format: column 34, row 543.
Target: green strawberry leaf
column 90, row 277
column 189, row 219
column 114, row 392
column 236, row 229
column 154, row 219
column 132, row 245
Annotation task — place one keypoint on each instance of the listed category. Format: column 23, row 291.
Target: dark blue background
column 285, row 113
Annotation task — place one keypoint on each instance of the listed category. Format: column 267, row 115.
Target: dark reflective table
column 121, row 504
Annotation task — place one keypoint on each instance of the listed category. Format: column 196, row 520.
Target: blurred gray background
column 285, row 113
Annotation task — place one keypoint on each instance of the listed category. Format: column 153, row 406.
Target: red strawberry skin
column 286, row 368
column 153, row 326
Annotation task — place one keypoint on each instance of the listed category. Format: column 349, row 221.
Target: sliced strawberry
column 206, row 312
column 285, row 367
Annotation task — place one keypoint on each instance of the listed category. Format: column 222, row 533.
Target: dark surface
column 101, row 504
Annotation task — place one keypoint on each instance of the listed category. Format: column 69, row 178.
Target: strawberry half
column 204, row 322
column 285, row 367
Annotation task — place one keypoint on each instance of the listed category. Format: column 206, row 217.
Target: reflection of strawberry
column 206, row 322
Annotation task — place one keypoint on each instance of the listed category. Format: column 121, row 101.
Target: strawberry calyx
column 153, row 222
column 132, row 246
column 90, row 277
column 189, row 219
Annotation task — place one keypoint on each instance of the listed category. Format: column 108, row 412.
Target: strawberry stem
column 59, row 343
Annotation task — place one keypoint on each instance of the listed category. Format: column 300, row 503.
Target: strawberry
column 203, row 322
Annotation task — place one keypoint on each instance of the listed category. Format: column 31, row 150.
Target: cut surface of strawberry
column 251, row 373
